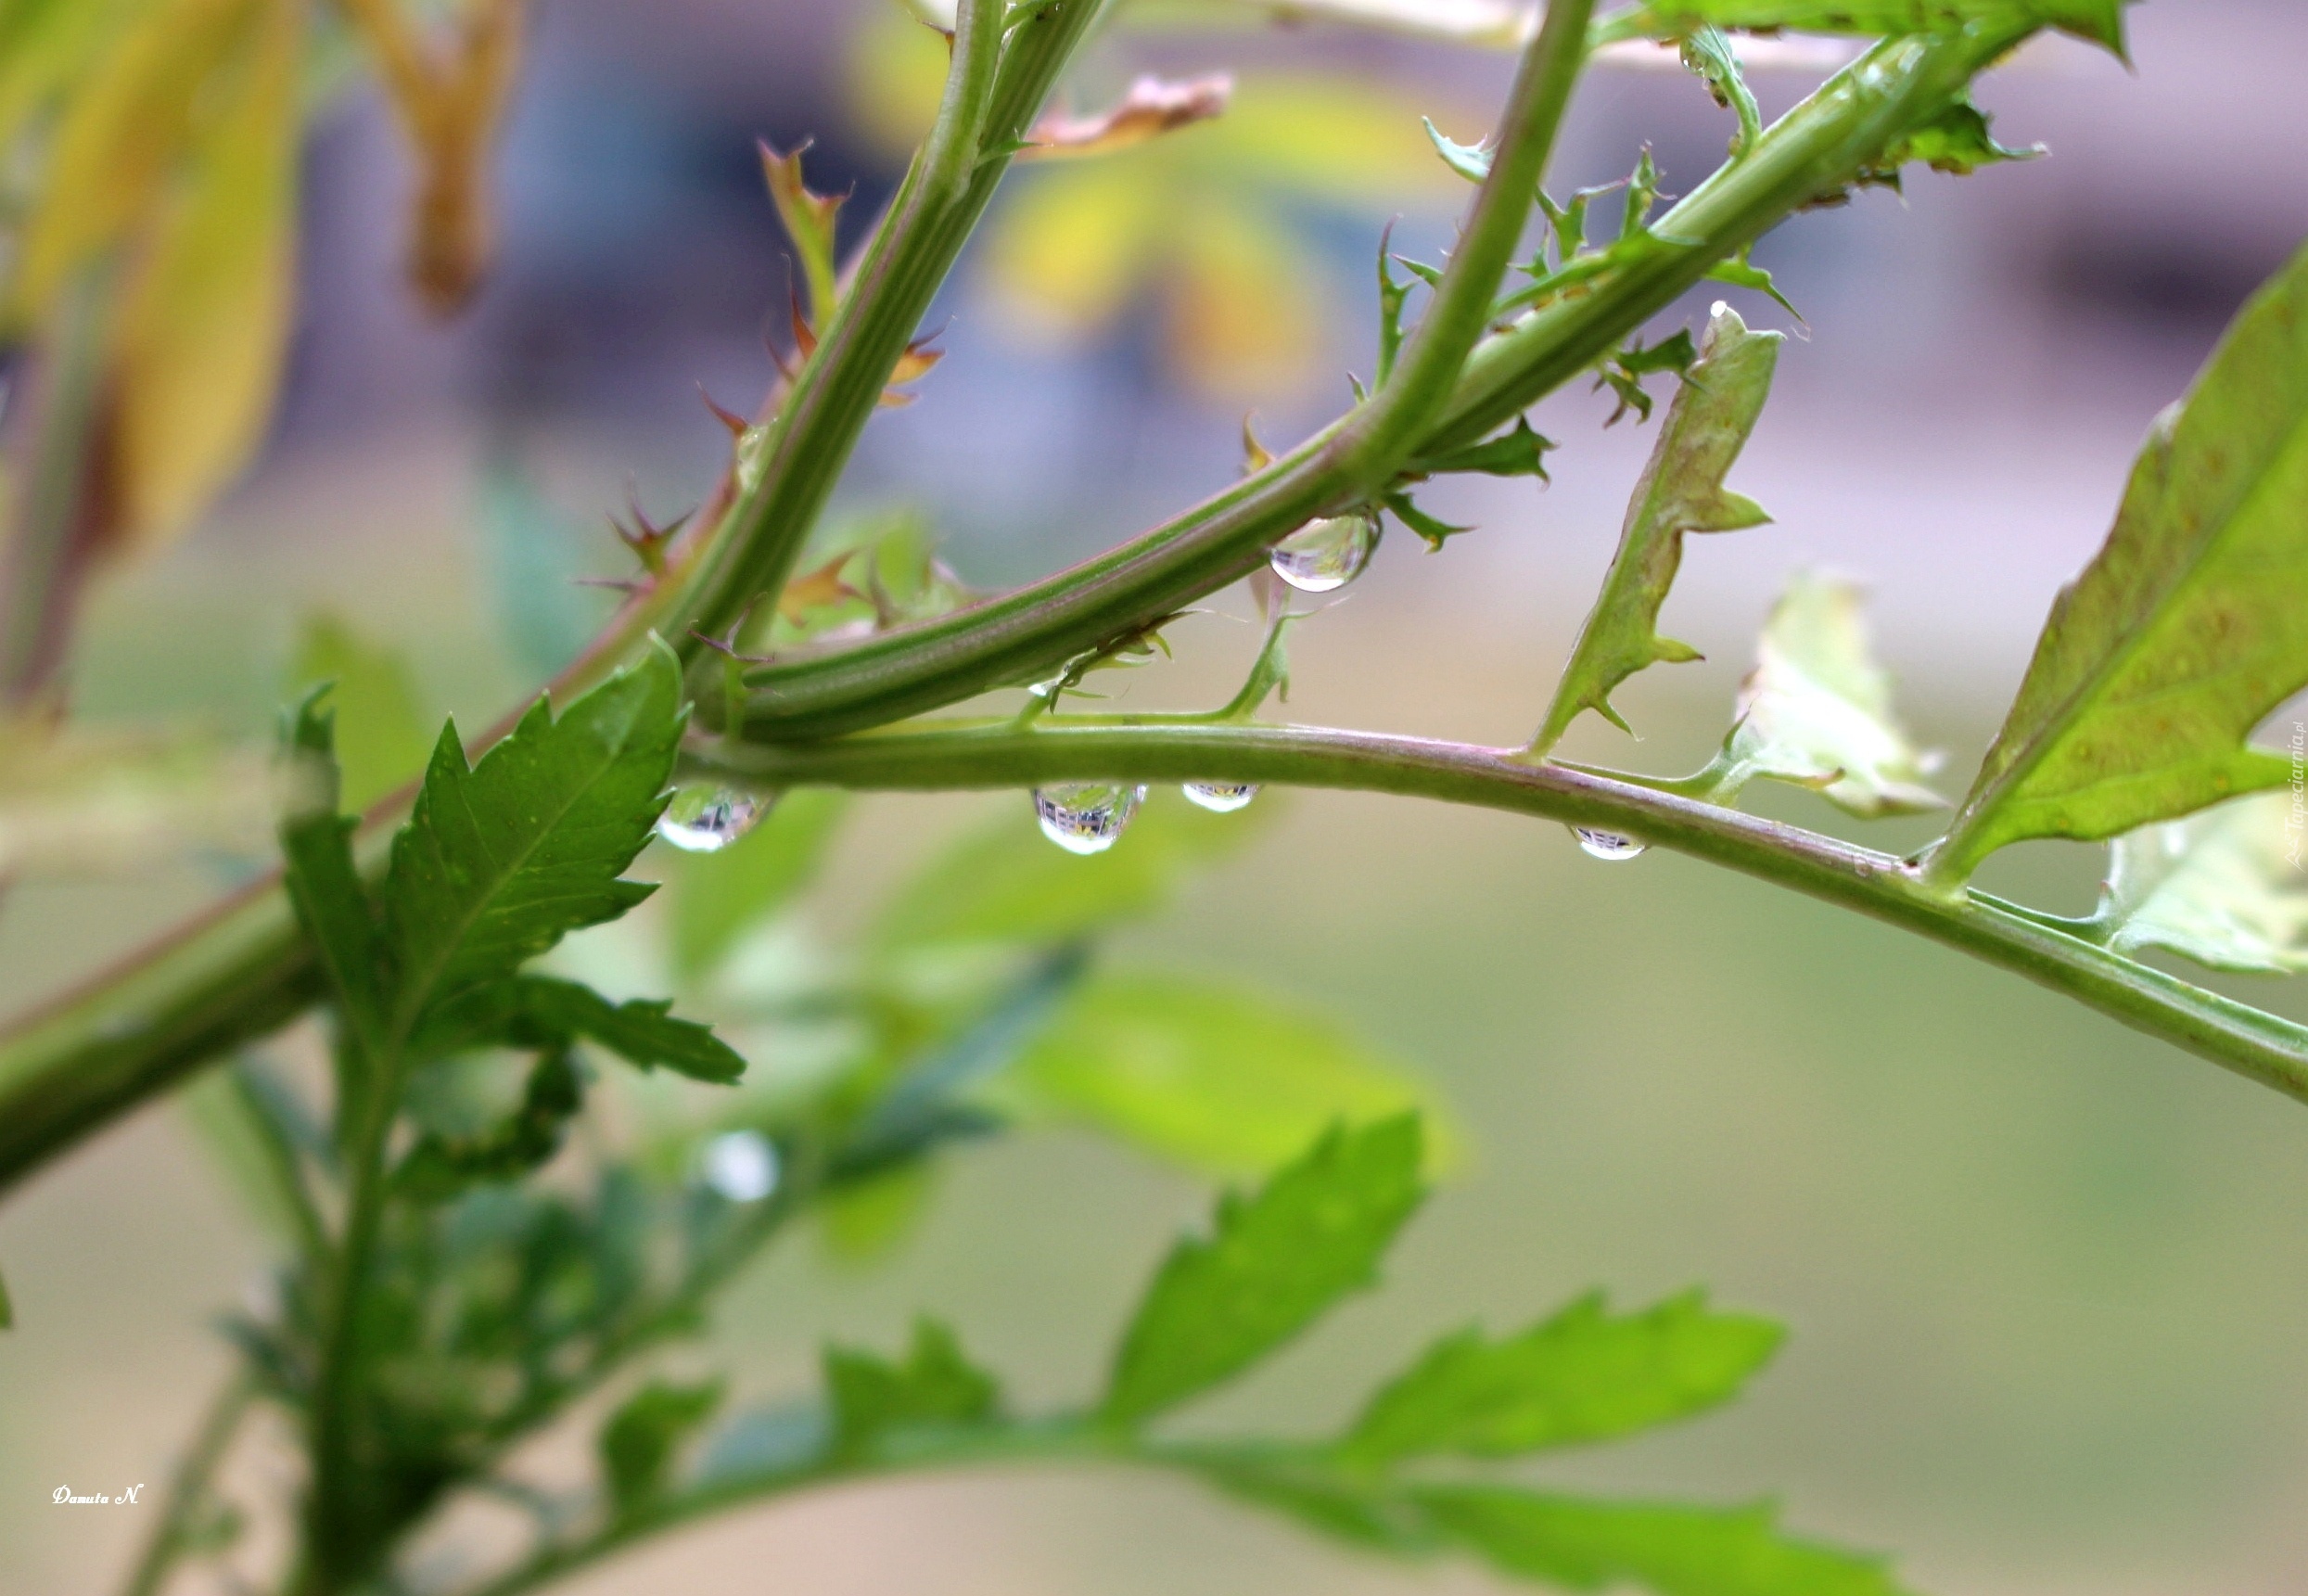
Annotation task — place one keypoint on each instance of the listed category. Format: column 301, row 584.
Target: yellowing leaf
column 1152, row 107
column 2187, row 627
column 1816, row 711
column 205, row 325
column 1071, row 248
column 2227, row 887
column 1346, row 142
column 896, row 70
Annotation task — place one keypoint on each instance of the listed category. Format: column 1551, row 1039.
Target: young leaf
column 1519, row 453
column 1669, row 1551
column 720, row 896
column 501, row 860
column 326, row 888
column 935, row 1385
column 541, row 1012
column 1276, row 1261
column 2189, row 625
column 1816, row 711
column 2224, row 887
column 1216, row 1078
column 1432, row 528
column 808, row 220
column 1681, row 491
column 380, row 736
column 1583, row 1375
column 2101, row 21
column 639, row 1441
column 439, row 1166
column 1956, row 141
column 1709, row 55
column 1470, row 161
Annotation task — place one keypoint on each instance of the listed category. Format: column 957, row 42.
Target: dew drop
column 1612, row 846
column 1327, row 554
column 1086, row 817
column 1222, row 797
column 705, row 818
column 741, row 1164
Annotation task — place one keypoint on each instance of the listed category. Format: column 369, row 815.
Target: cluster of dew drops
column 1089, row 817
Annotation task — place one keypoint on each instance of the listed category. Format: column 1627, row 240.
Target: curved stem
column 965, row 754
column 1837, row 131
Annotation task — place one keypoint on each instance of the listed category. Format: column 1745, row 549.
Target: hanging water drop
column 741, row 1164
column 1327, row 554
column 1222, row 797
column 705, row 818
column 1612, row 846
column 1086, row 817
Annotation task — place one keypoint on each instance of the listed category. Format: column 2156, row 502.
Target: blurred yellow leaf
column 1152, row 107
column 204, row 324
column 46, row 46
column 1348, row 143
column 1243, row 323
column 1072, row 249
column 897, row 68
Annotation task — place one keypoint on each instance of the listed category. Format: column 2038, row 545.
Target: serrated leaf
column 2227, row 886
column 1681, row 491
column 935, row 1385
column 1742, row 273
column 1004, row 883
column 2189, row 625
column 1956, row 141
column 1583, row 1375
column 1668, row 1550
column 501, row 860
column 380, row 737
column 1470, row 161
column 809, row 222
column 1708, row 55
column 1517, row 453
column 544, row 1012
column 1816, row 711
column 1276, row 1261
column 640, row 1439
column 2100, row 21
column 720, row 896
column 1217, row 1079
column 331, row 901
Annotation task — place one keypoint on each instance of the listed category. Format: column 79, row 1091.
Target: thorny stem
column 965, row 754
column 1820, row 145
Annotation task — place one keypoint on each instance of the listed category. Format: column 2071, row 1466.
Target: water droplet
column 741, row 1164
column 1611, row 845
column 1086, row 817
column 705, row 818
column 1222, row 797
column 1326, row 553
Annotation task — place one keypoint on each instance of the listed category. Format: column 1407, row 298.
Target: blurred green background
column 2047, row 1279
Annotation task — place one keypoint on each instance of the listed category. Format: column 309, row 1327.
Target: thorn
column 622, row 584
column 727, row 647
column 736, row 424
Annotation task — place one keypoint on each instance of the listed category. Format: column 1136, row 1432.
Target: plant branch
column 1824, row 142
column 165, row 1548
column 965, row 754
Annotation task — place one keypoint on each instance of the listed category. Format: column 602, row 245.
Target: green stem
column 166, row 1545
column 995, row 754
column 1823, row 142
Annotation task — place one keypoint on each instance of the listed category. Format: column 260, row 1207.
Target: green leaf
column 501, row 860
column 1433, row 530
column 2100, row 21
column 1391, row 298
column 1742, row 273
column 544, row 1012
column 1275, row 1262
column 8, row 1309
column 1956, row 141
column 2225, row 887
column 1004, row 883
column 324, row 884
column 381, row 741
column 720, row 896
column 1669, row 1551
column 1816, row 711
column 1519, row 453
column 935, row 1385
column 2188, row 627
column 1681, row 491
column 1709, row 55
column 1470, row 161
column 438, row 1165
column 639, row 1441
column 1217, row 1078
column 1583, row 1375
column 808, row 220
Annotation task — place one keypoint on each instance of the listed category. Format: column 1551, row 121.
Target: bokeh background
column 2048, row 1280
